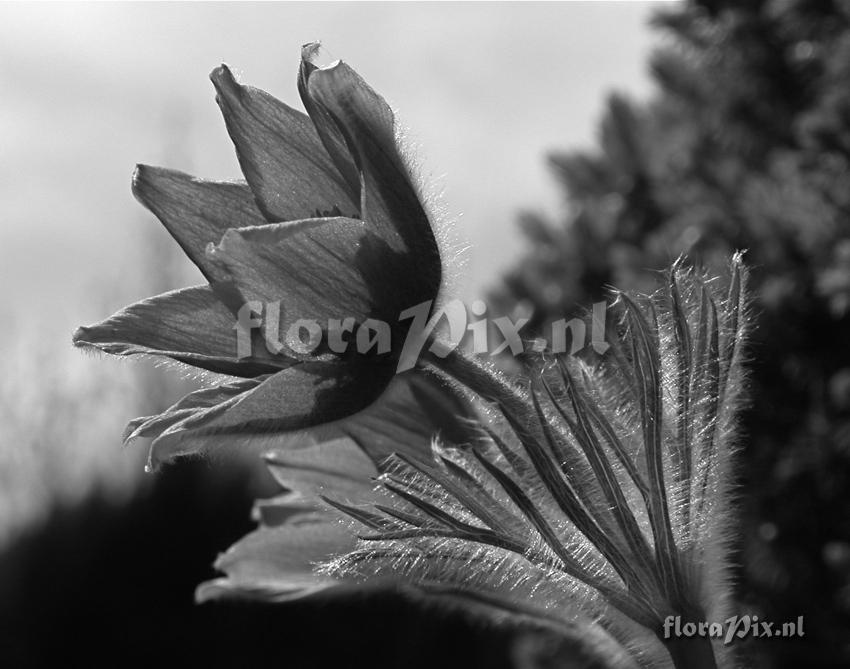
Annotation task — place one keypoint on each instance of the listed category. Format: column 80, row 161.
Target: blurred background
column 730, row 128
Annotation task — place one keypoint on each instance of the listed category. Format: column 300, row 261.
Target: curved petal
column 316, row 270
column 195, row 212
column 190, row 325
column 309, row 265
column 329, row 133
column 280, row 153
column 278, row 561
column 283, row 508
column 189, row 405
column 390, row 201
column 338, row 468
column 335, row 399
column 412, row 411
column 300, row 397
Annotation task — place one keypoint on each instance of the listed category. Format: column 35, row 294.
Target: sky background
column 89, row 90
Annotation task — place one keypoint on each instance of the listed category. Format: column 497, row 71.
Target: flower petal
column 194, row 211
column 390, row 201
column 412, row 411
column 190, row 325
column 278, row 561
column 281, row 155
column 337, row 468
column 316, row 270
column 283, row 508
column 190, row 405
column 302, row 396
column 308, row 264
column 329, row 133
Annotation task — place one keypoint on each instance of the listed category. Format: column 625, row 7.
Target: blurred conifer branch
column 745, row 145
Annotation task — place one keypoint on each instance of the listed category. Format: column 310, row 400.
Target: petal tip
column 140, row 179
column 211, row 590
column 310, row 50
column 80, row 336
column 130, row 433
column 146, row 184
column 142, row 171
column 224, row 82
column 311, row 53
column 222, row 72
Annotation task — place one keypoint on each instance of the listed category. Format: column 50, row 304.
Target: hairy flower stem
column 484, row 380
column 690, row 653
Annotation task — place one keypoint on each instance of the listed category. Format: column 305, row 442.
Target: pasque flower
column 329, row 223
column 587, row 495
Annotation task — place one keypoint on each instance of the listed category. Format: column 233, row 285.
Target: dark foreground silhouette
column 106, row 585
